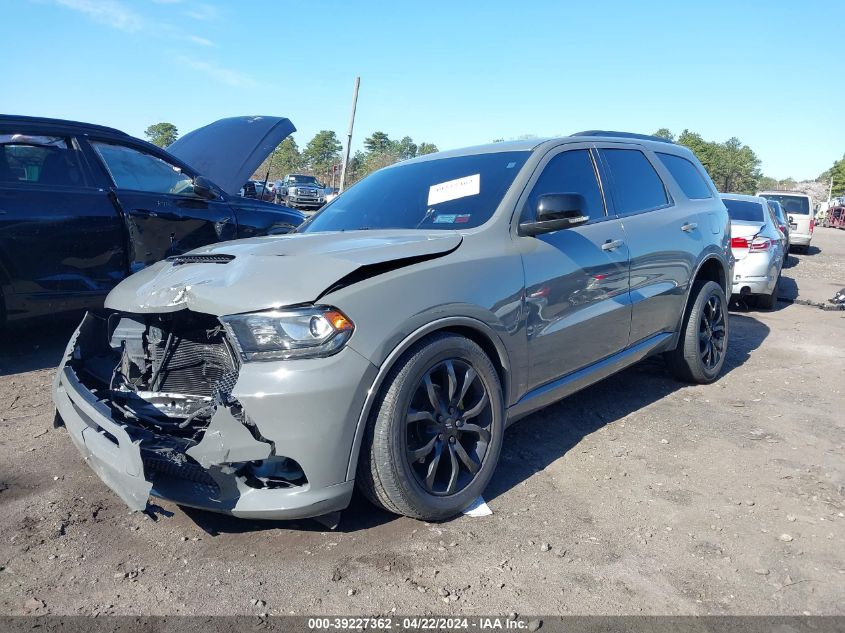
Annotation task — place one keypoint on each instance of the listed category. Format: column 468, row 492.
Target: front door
column 576, row 279
column 163, row 215
column 61, row 238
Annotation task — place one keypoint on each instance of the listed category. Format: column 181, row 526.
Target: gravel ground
column 638, row 495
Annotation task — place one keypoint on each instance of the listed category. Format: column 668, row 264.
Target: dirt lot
column 638, row 495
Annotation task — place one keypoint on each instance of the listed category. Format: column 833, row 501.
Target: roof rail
column 641, row 137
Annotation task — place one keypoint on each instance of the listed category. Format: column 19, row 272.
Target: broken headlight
column 310, row 332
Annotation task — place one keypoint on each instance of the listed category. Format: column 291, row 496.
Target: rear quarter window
column 636, row 185
column 687, row 175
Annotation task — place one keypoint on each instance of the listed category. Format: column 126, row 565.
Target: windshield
column 791, row 204
column 744, row 211
column 303, row 180
column 443, row 193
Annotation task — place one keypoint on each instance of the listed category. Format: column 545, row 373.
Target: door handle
column 689, row 226
column 611, row 245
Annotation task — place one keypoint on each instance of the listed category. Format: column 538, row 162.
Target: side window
column 636, row 186
column 687, row 176
column 569, row 172
column 138, row 171
column 39, row 160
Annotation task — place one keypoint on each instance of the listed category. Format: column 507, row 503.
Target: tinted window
column 139, row 171
column 777, row 211
column 569, row 172
column 687, row 176
column 636, row 186
column 38, row 160
column 744, row 211
column 791, row 204
column 445, row 193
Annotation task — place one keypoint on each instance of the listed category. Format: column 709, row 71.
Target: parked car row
column 763, row 230
column 390, row 340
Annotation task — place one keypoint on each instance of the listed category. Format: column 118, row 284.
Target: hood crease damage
column 306, row 266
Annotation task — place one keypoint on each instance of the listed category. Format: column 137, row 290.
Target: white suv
column 798, row 207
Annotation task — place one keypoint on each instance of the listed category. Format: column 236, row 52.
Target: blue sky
column 451, row 73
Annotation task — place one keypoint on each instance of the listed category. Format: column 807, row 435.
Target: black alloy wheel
column 712, row 332
column 448, row 427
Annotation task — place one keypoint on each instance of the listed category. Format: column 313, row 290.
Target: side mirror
column 556, row 211
column 204, row 188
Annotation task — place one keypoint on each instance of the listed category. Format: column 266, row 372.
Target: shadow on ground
column 38, row 345
column 540, row 439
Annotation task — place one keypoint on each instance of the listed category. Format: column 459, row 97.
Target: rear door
column 163, row 215
column 61, row 239
column 576, row 279
column 665, row 238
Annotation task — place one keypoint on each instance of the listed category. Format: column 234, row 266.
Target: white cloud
column 196, row 39
column 109, row 12
column 203, row 12
column 221, row 74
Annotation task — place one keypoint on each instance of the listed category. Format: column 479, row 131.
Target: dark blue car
column 82, row 206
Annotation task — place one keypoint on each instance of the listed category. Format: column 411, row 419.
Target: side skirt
column 577, row 380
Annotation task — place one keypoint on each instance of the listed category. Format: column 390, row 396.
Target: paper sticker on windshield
column 454, row 189
column 444, row 219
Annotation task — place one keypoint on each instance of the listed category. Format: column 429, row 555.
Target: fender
column 433, row 326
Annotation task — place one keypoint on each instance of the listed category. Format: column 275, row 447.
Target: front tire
column 703, row 343
column 435, row 433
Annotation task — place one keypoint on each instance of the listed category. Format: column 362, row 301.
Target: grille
column 200, row 259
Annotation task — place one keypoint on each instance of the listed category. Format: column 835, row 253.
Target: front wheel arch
column 477, row 331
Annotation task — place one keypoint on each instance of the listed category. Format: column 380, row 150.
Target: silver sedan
column 758, row 247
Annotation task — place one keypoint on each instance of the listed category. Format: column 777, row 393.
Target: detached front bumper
column 307, row 415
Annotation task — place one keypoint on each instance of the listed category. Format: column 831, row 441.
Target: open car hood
column 229, row 151
column 274, row 271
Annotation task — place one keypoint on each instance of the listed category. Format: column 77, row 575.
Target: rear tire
column 769, row 301
column 442, row 399
column 703, row 343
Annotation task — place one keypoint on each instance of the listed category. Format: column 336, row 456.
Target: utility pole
column 349, row 134
column 830, row 192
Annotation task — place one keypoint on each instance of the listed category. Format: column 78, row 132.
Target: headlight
column 310, row 332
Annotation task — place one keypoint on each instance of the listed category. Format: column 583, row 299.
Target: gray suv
column 389, row 342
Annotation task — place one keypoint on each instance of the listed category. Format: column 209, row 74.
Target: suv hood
column 229, row 151
column 272, row 272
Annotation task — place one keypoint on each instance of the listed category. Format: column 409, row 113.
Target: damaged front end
column 148, row 401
